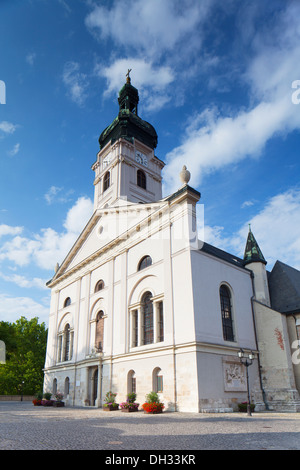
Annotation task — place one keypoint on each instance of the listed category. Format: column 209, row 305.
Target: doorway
column 95, row 387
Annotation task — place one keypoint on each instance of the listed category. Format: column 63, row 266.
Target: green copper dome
column 128, row 125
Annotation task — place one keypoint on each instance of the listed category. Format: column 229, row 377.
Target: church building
column 140, row 304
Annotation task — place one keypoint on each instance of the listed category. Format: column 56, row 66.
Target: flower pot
column 110, row 408
column 59, row 404
column 37, row 402
column 153, row 408
column 129, row 407
column 47, row 402
column 153, row 412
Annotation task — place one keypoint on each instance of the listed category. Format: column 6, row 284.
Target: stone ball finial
column 185, row 175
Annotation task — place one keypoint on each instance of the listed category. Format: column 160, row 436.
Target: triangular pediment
column 106, row 228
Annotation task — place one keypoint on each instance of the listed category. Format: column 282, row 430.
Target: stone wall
column 16, row 398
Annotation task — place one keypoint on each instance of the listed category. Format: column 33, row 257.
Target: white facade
column 184, row 282
column 114, row 326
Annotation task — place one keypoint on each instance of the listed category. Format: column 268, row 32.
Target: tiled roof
column 284, row 287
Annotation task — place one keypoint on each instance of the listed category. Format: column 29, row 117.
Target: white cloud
column 9, row 230
column 151, row 27
column 23, row 281
column 14, row 150
column 53, row 246
column 145, row 74
column 7, row 127
column 218, row 141
column 276, row 229
column 58, row 194
column 152, row 81
column 160, row 39
column 76, row 82
column 51, row 193
column 78, row 215
column 30, row 58
column 48, row 247
column 65, row 5
column 215, row 140
column 19, row 250
column 247, row 204
column 12, row 308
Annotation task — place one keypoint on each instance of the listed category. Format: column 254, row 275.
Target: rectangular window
column 59, row 348
column 133, row 385
column 135, row 328
column 160, row 321
column 159, row 384
column 148, row 319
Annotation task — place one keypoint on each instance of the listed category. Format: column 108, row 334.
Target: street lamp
column 22, row 384
column 246, row 360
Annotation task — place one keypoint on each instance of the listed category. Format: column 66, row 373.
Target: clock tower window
column 106, row 181
column 141, row 179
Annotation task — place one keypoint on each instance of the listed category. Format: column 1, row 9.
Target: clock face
column 141, row 158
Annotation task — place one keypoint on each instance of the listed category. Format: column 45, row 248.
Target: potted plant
column 38, row 399
column 129, row 405
column 46, row 401
column 58, row 402
column 110, row 403
column 243, row 406
column 152, row 404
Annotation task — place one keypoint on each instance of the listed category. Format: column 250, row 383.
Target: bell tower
column 126, row 168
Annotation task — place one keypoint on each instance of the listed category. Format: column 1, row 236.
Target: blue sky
column 218, row 81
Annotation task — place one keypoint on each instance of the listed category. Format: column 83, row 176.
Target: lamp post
column 22, row 384
column 246, row 360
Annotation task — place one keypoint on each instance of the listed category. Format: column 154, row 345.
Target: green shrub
column 152, row 397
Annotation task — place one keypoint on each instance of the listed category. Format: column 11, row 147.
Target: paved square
column 26, row 427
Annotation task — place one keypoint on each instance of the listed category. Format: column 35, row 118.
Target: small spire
column 252, row 251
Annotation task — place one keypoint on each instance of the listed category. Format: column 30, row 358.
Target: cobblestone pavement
column 26, row 427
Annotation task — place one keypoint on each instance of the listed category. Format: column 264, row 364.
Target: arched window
column 106, row 181
column 67, row 302
column 99, row 285
column 141, row 179
column 54, row 387
column 99, row 331
column 145, row 262
column 147, row 312
column 67, row 387
column 131, row 382
column 67, row 343
column 226, row 310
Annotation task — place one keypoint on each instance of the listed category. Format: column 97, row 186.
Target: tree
column 26, row 342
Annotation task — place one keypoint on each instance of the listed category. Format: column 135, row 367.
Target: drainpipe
column 173, row 320
column 256, row 342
